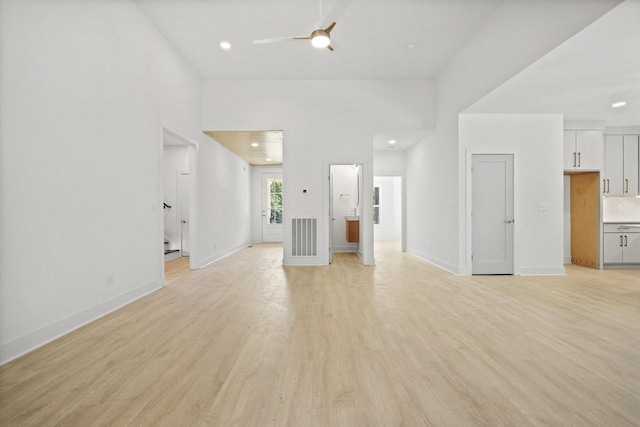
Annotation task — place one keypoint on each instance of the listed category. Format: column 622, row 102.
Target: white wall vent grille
column 304, row 237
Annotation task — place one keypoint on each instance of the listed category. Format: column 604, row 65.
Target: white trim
column 22, row 345
column 434, row 261
column 345, row 248
column 567, row 260
column 542, row 271
column 222, row 254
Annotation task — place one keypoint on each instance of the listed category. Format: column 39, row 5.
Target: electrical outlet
column 543, row 207
column 109, row 280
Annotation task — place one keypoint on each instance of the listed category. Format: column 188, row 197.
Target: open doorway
column 346, row 199
column 178, row 193
column 387, row 209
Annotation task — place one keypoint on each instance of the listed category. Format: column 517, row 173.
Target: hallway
column 248, row 342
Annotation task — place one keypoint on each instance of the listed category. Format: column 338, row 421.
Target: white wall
column 390, row 221
column 389, row 163
column 536, row 142
column 324, row 122
column 176, row 158
column 85, row 88
column 256, row 199
column 224, row 196
column 502, row 47
column 345, row 202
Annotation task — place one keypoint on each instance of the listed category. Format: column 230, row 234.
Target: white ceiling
column 403, row 139
column 370, row 38
column 583, row 76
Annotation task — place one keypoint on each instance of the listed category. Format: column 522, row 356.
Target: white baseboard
column 542, row 271
column 171, row 256
column 344, row 249
column 435, row 261
column 29, row 342
column 222, row 254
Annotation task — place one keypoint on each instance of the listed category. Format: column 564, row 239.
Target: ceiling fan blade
column 329, row 28
column 334, row 15
column 275, row 40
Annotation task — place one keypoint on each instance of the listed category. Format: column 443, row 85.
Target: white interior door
column 272, row 207
column 492, row 214
column 183, row 200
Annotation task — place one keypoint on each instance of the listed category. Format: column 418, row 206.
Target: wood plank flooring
column 246, row 342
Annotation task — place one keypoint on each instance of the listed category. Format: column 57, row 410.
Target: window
column 275, row 200
column 376, row 205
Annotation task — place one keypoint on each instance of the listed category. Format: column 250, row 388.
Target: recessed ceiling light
column 254, row 144
column 392, row 141
column 411, row 46
column 268, row 160
column 618, row 104
column 225, row 45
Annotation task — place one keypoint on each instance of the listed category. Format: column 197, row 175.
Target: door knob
column 508, row 221
column 184, row 222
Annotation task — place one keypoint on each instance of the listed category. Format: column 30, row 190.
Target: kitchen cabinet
column 621, row 161
column 583, row 150
column 621, row 244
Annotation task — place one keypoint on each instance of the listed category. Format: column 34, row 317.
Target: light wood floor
column 246, row 342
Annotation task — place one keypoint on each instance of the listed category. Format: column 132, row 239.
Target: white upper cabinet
column 630, row 166
column 621, row 166
column 583, row 150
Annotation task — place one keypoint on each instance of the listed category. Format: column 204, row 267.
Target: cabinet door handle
column 625, row 240
column 574, row 159
column 604, row 185
column 579, row 162
column 620, row 240
column 608, row 186
column 626, row 185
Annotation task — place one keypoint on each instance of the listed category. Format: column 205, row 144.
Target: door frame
column 165, row 133
column 468, row 232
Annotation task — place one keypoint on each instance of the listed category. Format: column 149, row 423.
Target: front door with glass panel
column 272, row 207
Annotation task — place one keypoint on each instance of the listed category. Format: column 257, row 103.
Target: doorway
column 387, row 208
column 178, row 192
column 345, row 207
column 492, row 209
column 272, row 186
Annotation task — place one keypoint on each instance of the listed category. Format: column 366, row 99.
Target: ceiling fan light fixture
column 320, row 39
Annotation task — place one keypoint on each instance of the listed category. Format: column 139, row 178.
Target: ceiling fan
column 320, row 37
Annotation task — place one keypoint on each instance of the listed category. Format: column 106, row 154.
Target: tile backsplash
column 621, row 209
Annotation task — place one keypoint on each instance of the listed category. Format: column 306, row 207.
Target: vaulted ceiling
column 373, row 39
column 406, row 39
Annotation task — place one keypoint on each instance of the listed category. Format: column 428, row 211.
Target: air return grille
column 304, row 237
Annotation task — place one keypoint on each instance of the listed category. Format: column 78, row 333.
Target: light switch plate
column 543, row 207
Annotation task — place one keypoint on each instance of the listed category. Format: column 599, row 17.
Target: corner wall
column 85, row 89
column 536, row 142
column 508, row 42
